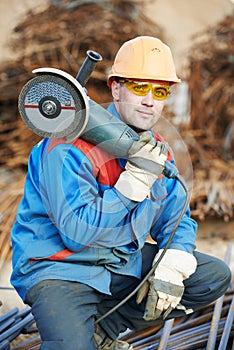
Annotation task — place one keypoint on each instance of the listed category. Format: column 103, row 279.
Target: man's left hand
column 165, row 289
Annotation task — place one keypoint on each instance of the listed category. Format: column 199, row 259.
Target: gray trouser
column 65, row 311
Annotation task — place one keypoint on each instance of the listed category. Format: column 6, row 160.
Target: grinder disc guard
column 52, row 107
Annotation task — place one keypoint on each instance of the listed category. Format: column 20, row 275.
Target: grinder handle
column 88, row 66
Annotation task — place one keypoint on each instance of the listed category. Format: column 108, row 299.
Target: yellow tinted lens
column 138, row 88
column 161, row 92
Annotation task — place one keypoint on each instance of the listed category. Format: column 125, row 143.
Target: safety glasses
column 140, row 88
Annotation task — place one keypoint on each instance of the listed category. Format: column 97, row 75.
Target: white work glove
column 145, row 164
column 165, row 289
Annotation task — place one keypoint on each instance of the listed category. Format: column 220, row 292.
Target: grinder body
column 55, row 105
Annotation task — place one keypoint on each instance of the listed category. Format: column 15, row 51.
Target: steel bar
column 175, row 340
column 214, row 324
column 9, row 314
column 183, row 325
column 7, row 288
column 187, row 339
column 140, row 335
column 203, row 316
column 4, row 345
column 28, row 344
column 10, row 334
column 217, row 310
column 154, row 333
column 166, row 333
column 227, row 327
column 198, row 338
column 6, row 324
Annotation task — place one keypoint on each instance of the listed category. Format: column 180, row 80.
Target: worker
column 81, row 236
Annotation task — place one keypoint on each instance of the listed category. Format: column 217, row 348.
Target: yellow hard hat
column 144, row 57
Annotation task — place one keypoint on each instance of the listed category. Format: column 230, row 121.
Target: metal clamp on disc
column 54, row 104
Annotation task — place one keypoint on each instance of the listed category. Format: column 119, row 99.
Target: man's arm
column 83, row 215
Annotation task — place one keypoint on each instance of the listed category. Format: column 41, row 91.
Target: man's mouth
column 145, row 112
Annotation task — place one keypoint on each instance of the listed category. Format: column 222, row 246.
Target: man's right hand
column 145, row 164
column 148, row 155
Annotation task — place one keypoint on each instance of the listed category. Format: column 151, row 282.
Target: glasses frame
column 152, row 87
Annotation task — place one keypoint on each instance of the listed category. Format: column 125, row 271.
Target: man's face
column 141, row 112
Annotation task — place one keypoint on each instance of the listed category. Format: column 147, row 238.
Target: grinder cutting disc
column 52, row 107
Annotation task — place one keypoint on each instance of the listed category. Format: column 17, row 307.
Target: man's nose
column 148, row 99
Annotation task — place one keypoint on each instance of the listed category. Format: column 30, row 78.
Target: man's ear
column 115, row 87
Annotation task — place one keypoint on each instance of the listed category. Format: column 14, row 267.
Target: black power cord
column 172, row 173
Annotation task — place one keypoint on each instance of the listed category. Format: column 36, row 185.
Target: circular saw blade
column 53, row 107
